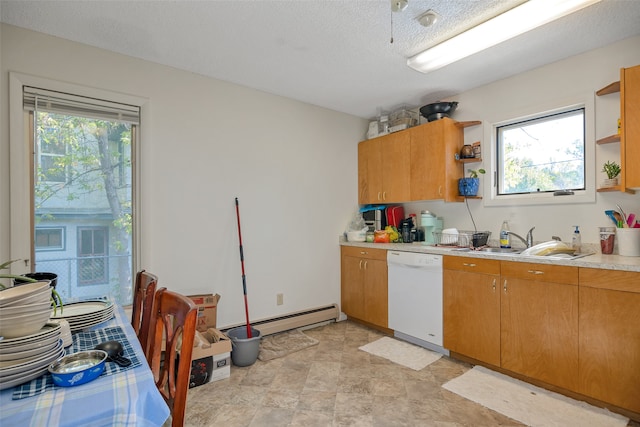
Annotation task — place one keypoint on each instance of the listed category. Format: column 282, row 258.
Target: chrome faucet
column 528, row 241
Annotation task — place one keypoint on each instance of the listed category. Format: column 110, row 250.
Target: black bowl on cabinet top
column 438, row 110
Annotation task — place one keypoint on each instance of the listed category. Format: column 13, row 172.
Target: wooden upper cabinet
column 369, row 172
column 630, row 141
column 383, row 169
column 434, row 169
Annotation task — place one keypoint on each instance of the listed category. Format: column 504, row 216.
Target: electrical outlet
column 280, row 299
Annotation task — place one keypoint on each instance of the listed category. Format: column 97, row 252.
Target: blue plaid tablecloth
column 121, row 397
column 83, row 341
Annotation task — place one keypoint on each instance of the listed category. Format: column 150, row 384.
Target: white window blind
column 36, row 99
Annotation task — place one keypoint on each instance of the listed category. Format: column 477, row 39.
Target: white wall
column 203, row 143
column 585, row 73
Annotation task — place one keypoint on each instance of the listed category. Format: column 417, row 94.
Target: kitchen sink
column 518, row 252
column 502, row 250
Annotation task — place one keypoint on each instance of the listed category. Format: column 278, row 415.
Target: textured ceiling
column 332, row 53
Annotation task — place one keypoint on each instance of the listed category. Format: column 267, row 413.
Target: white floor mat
column 401, row 352
column 531, row 405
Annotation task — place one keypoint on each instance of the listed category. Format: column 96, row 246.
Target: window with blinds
column 83, row 183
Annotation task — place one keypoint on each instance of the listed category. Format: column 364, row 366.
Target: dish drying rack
column 463, row 239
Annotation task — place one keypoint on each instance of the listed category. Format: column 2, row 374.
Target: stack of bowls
column 24, row 309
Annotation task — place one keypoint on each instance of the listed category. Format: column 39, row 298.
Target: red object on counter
column 395, row 214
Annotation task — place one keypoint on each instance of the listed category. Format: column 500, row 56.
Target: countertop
column 597, row 260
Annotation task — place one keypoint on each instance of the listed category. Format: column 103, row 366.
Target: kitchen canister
column 628, row 241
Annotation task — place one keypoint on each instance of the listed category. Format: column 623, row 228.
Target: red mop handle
column 244, row 278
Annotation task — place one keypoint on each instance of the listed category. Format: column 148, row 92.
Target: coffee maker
column 430, row 223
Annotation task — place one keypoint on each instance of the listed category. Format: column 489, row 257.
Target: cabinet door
column 369, row 172
column 427, row 167
column 610, row 337
column 630, row 103
column 395, row 151
column 376, row 305
column 352, row 289
column 471, row 305
column 434, row 169
column 539, row 330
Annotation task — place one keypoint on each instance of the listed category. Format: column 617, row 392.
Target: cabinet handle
column 379, row 195
column 361, row 264
column 439, row 190
column 384, row 195
column 504, row 286
column 466, row 264
column 363, row 252
column 365, row 264
column 494, row 285
column 535, row 271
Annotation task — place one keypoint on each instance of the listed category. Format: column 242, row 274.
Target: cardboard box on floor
column 207, row 305
column 207, row 310
column 210, row 357
column 211, row 354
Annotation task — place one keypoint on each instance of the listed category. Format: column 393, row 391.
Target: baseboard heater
column 294, row 320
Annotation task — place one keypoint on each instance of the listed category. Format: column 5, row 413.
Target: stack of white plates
column 25, row 358
column 82, row 315
column 65, row 332
column 24, row 309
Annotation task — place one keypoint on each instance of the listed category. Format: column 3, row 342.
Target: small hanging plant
column 469, row 186
column 473, row 173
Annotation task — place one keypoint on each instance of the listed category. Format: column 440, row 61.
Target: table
column 128, row 398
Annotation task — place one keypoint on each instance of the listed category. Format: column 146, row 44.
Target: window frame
column 63, row 237
column 93, row 256
column 539, row 119
column 22, row 172
column 490, row 157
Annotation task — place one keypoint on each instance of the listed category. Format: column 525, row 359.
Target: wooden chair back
column 143, row 296
column 174, row 319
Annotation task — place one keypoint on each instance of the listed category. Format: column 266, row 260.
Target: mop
column 244, row 278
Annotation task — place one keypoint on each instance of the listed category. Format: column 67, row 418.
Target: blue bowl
column 78, row 368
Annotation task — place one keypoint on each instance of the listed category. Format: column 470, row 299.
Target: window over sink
column 545, row 155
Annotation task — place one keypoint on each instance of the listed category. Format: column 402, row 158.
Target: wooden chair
column 174, row 319
column 143, row 294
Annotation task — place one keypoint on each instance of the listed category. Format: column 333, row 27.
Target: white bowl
column 356, row 236
column 26, row 324
column 17, row 293
column 13, row 310
column 43, row 295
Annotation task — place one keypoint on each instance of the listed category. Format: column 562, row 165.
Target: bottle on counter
column 505, row 239
column 576, row 242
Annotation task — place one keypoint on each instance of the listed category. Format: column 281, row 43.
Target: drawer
column 362, row 252
column 626, row 281
column 540, row 272
column 474, row 265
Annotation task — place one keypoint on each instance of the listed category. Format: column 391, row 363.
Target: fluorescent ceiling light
column 512, row 23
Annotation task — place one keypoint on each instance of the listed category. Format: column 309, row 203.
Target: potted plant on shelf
column 469, row 186
column 612, row 169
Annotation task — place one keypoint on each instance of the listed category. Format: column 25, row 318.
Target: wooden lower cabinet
column 364, row 292
column 539, row 322
column 471, row 307
column 609, row 368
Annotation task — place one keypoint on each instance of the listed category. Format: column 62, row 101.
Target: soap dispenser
column 576, row 241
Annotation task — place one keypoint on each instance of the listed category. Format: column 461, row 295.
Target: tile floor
column 335, row 384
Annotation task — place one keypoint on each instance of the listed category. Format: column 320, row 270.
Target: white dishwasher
column 415, row 298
